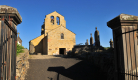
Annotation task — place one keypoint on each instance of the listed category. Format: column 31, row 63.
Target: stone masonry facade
column 55, row 37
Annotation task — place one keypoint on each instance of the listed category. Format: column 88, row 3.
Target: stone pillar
column 111, row 43
column 91, row 40
column 96, row 36
column 125, row 45
column 55, row 23
column 87, row 43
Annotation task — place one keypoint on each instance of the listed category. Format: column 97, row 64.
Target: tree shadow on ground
column 82, row 70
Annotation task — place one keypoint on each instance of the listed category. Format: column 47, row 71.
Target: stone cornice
column 12, row 12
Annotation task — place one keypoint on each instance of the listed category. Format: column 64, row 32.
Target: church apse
column 35, row 45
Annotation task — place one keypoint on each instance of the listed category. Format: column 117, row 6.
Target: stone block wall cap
column 9, row 10
column 125, row 17
column 128, row 17
column 122, row 18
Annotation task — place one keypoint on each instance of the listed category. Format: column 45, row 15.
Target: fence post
column 8, row 37
column 124, row 29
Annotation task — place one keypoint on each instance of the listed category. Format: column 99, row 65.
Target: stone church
column 55, row 38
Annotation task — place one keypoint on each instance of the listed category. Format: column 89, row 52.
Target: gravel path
column 61, row 68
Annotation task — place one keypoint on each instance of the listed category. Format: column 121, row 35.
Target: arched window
column 58, row 21
column 62, row 36
column 52, row 19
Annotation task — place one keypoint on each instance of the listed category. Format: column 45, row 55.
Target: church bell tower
column 52, row 21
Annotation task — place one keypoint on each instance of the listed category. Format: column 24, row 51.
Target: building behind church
column 19, row 41
column 55, row 38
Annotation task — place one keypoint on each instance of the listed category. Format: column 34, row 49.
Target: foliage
column 19, row 49
column 106, row 47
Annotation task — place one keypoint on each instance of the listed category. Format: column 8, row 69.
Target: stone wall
column 79, row 49
column 22, row 64
column 104, row 60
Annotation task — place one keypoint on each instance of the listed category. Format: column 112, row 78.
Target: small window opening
column 62, row 36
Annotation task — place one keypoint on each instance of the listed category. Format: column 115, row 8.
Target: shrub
column 106, row 47
column 19, row 49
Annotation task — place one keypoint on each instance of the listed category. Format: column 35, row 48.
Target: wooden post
column 125, row 45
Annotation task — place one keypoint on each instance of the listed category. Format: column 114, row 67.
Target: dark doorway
column 62, row 51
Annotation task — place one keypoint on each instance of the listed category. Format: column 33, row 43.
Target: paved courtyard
column 61, row 68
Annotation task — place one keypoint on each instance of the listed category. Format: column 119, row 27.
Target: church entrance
column 62, row 51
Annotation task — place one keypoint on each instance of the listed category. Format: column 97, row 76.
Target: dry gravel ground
column 44, row 67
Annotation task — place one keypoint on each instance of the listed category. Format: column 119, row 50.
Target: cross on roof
column 18, row 34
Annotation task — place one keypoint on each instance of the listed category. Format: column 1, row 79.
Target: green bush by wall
column 19, row 49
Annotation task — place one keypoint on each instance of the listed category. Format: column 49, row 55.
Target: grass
column 19, row 49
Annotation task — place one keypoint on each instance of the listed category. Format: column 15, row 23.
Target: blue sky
column 82, row 16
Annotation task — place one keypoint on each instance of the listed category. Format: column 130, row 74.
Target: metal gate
column 8, row 42
column 126, row 55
